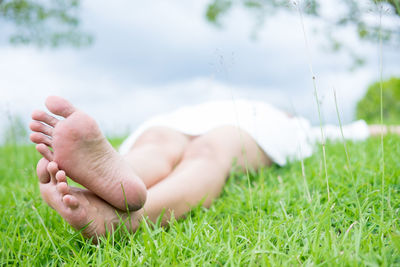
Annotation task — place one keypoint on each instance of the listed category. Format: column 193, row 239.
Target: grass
column 282, row 227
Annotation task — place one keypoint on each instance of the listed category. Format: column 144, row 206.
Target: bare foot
column 79, row 207
column 84, row 154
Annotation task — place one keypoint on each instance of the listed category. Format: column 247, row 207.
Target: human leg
column 201, row 174
column 156, row 152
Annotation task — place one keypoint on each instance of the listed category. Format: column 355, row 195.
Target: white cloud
column 152, row 56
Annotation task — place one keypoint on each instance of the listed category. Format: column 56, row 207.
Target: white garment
column 281, row 137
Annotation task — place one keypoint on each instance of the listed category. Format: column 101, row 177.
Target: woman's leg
column 202, row 171
column 200, row 175
column 156, row 152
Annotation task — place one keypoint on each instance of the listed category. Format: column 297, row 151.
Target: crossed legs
column 177, row 171
column 203, row 165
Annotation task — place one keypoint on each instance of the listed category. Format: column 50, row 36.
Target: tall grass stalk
column 244, row 154
column 303, row 173
column 47, row 232
column 381, row 104
column 347, row 154
column 303, row 169
column 323, row 142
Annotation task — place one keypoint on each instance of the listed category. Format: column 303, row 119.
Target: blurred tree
column 51, row 23
column 356, row 14
column 369, row 107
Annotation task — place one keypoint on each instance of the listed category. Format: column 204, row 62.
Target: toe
column 41, row 170
column 62, row 188
column 59, row 106
column 52, row 168
column 39, row 115
column 45, row 151
column 37, row 126
column 71, row 201
column 39, row 138
column 61, row 177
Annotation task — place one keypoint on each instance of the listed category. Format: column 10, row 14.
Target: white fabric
column 282, row 138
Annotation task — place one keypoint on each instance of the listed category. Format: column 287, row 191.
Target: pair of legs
column 180, row 171
column 164, row 171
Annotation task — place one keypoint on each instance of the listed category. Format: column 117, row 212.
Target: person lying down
column 170, row 163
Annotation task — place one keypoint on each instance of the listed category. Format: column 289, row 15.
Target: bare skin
column 178, row 170
column 377, row 129
column 205, row 163
column 80, row 207
column 83, row 153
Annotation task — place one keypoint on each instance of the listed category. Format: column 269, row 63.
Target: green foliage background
column 369, row 107
column 44, row 23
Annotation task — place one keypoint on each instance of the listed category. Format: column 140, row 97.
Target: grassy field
column 265, row 219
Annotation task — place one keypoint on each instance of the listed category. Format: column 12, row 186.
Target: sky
column 151, row 57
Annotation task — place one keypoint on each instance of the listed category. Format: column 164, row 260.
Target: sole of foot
column 82, row 209
column 81, row 150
